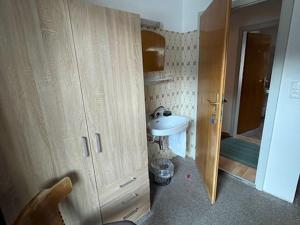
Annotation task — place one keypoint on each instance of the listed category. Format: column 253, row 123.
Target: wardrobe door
column 108, row 47
column 25, row 165
column 43, row 128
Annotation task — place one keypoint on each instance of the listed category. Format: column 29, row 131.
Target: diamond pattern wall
column 180, row 95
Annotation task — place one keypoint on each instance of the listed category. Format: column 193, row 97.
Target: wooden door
column 256, row 65
column 108, row 46
column 42, row 115
column 214, row 28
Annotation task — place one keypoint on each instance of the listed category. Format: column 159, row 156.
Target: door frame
column 277, row 72
column 243, row 3
column 243, row 31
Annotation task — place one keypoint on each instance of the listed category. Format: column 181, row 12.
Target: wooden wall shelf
column 153, row 47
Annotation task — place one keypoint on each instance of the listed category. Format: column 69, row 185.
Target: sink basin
column 168, row 125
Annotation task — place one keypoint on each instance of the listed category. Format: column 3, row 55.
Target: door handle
column 85, row 144
column 212, row 103
column 98, row 140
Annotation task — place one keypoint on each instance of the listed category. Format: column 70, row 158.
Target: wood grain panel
column 214, row 26
column 25, row 157
column 131, row 205
column 108, row 47
column 153, row 47
column 237, row 169
column 42, row 108
column 123, row 186
column 256, row 65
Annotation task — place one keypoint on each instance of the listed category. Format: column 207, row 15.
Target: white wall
column 192, row 8
column 247, row 16
column 283, row 165
column 168, row 12
column 175, row 15
column 190, row 13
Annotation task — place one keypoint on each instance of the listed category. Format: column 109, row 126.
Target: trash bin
column 162, row 170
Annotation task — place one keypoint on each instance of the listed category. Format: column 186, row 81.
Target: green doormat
column 240, row 151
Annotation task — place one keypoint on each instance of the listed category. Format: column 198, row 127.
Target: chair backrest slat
column 43, row 208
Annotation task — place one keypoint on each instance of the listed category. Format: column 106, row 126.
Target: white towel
column 177, row 143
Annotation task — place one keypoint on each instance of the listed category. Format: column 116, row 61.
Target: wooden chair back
column 43, row 208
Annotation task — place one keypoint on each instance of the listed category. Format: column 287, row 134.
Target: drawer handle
column 85, row 144
column 128, row 182
column 133, row 196
column 130, row 214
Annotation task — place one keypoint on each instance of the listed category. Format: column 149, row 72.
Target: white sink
column 168, row 125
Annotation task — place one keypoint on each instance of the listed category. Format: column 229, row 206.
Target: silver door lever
column 212, row 103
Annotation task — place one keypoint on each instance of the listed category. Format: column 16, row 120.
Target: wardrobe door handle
column 98, row 140
column 85, row 151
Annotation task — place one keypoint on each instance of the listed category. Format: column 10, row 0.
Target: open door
column 256, row 65
column 214, row 31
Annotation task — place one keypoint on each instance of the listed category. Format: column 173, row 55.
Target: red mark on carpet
column 188, row 177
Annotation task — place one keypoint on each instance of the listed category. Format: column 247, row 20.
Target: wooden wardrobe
column 72, row 104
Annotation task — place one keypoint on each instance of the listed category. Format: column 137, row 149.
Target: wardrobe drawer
column 125, row 185
column 130, row 206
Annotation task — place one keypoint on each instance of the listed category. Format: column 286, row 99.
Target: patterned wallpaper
column 180, row 95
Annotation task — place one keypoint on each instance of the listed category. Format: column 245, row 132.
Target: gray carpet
column 185, row 202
